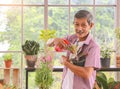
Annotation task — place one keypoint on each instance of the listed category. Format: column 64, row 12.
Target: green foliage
column 43, row 77
column 31, row 47
column 114, row 85
column 117, row 32
column 9, row 86
column 7, row 56
column 47, row 34
column 101, row 80
column 106, row 52
column 105, row 83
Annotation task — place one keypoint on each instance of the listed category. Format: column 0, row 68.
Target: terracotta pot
column 8, row 63
column 1, row 86
column 118, row 61
column 2, row 81
column 31, row 60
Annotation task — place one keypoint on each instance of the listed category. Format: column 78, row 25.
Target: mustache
column 79, row 31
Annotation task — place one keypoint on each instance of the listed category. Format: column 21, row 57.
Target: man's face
column 82, row 27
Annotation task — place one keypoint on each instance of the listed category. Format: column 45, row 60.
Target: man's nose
column 79, row 27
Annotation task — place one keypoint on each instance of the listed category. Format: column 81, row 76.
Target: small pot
column 31, row 60
column 1, row 81
column 105, row 62
column 118, row 61
column 1, row 86
column 8, row 63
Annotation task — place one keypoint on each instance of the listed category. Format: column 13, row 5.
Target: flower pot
column 8, row 63
column 1, row 86
column 1, row 81
column 105, row 62
column 31, row 60
column 43, row 88
column 118, row 61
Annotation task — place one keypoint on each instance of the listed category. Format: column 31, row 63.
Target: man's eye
column 83, row 25
column 76, row 24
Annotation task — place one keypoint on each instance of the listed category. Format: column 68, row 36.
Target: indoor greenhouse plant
column 46, row 34
column 105, row 56
column 7, row 60
column 43, row 76
column 106, row 83
column 31, row 49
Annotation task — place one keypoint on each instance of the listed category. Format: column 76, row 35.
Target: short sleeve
column 93, row 58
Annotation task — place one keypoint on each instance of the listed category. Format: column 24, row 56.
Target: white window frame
column 46, row 6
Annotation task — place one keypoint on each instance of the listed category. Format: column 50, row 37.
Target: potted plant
column 7, row 60
column 43, row 75
column 105, row 56
column 117, row 34
column 46, row 34
column 30, row 49
column 106, row 83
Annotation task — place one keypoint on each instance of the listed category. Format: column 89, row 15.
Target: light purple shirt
column 92, row 50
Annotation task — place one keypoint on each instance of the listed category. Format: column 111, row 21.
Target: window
column 23, row 19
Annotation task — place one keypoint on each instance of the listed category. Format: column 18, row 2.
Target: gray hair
column 84, row 14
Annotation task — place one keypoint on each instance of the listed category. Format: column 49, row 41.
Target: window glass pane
column 72, row 13
column 58, row 20
column 33, row 22
column 103, row 17
column 108, row 2
column 10, row 1
column 81, row 2
column 10, row 36
column 104, row 27
column 33, row 1
column 58, row 2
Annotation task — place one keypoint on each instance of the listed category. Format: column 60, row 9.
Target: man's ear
column 91, row 25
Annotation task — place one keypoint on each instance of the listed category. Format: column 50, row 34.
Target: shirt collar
column 87, row 41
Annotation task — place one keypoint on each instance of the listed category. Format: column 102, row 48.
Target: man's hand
column 59, row 42
column 64, row 59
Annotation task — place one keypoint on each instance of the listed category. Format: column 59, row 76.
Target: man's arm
column 50, row 42
column 56, row 41
column 84, row 72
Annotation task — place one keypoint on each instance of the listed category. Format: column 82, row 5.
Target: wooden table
column 15, row 74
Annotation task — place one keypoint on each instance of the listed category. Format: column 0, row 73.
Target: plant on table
column 45, row 35
column 43, row 76
column 31, row 49
column 105, row 53
column 8, row 59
